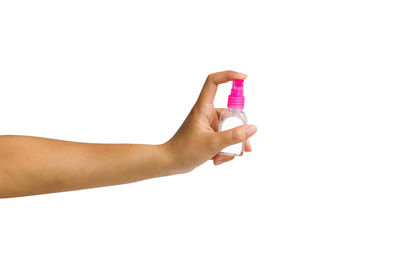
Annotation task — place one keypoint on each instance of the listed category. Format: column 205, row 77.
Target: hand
column 198, row 139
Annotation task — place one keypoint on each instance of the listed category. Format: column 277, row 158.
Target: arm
column 33, row 165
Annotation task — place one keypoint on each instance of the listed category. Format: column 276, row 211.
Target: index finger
column 209, row 90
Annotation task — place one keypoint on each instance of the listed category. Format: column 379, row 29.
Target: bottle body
column 231, row 118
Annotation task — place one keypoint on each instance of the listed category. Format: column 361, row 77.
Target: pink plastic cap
column 236, row 98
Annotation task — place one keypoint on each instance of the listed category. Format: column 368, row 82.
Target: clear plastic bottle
column 234, row 116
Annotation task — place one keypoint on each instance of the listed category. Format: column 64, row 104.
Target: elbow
column 5, row 190
column 3, row 193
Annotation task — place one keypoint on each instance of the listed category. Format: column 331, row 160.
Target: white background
column 321, row 187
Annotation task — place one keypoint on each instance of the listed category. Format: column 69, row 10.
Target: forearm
column 32, row 165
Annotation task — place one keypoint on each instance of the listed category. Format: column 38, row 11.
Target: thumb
column 235, row 135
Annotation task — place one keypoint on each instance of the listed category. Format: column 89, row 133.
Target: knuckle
column 238, row 135
column 214, row 144
column 210, row 77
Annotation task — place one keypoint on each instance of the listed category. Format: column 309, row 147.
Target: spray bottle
column 234, row 116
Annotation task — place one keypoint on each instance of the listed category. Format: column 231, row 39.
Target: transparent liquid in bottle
column 231, row 118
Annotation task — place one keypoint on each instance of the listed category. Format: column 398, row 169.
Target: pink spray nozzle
column 236, row 98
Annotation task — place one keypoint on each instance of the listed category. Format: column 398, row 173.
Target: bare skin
column 33, row 165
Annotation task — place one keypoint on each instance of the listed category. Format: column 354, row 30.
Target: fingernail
column 251, row 130
column 218, row 161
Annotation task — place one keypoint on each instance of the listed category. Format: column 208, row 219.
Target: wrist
column 168, row 159
column 172, row 160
